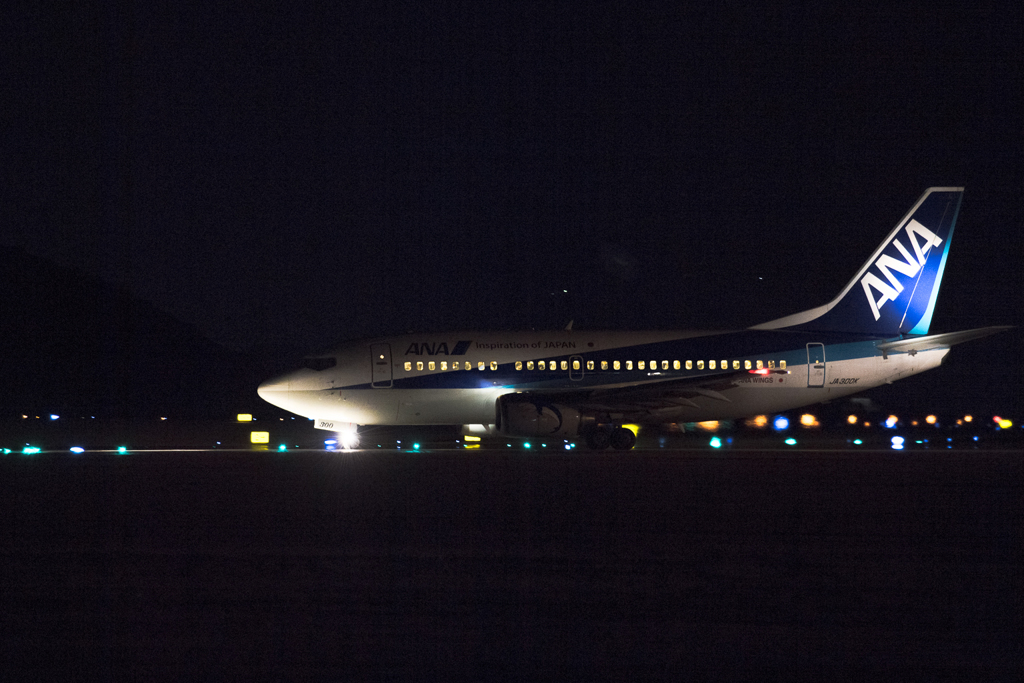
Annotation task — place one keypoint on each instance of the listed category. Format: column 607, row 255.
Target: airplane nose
column 267, row 390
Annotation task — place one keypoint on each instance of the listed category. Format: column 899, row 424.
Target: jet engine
column 519, row 415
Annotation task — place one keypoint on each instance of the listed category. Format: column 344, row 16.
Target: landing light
column 349, row 438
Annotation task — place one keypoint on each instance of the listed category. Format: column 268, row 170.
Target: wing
column 655, row 401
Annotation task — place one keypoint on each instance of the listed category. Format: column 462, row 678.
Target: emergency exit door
column 815, row 365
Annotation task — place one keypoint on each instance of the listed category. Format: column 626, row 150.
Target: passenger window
column 494, row 365
column 664, row 365
column 654, row 365
column 711, row 365
column 565, row 365
column 736, row 364
column 519, row 365
column 529, row 365
column 689, row 365
column 675, row 365
column 629, row 365
column 604, row 365
column 747, row 365
column 480, row 365
column 444, row 365
column 431, row 365
column 617, row 365
column 590, row 365
column 640, row 365
column 408, row 366
column 576, row 365
column 771, row 365
column 760, row 364
column 725, row 365
column 782, row 364
column 541, row 365
column 419, row 365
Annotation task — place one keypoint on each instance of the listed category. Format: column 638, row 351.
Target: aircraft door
column 576, row 368
column 380, row 366
column 815, row 365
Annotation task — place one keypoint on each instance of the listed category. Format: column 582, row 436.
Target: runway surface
column 499, row 566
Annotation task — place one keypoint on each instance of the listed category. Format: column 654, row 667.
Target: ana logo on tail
column 910, row 266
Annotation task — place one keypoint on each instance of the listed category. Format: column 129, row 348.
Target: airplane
column 576, row 383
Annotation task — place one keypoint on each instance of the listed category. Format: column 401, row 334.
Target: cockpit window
column 318, row 364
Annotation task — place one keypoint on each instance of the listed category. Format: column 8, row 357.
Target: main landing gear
column 619, row 438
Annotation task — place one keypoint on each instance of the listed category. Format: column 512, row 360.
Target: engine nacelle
column 522, row 416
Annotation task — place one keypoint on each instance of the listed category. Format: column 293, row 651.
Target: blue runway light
column 77, row 449
column 781, row 423
column 54, row 417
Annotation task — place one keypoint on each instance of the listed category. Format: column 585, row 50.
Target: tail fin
column 894, row 292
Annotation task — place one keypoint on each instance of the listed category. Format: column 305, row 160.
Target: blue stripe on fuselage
column 784, row 345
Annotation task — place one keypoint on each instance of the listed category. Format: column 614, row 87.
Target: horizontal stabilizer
column 939, row 341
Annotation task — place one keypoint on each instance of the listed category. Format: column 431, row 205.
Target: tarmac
column 685, row 565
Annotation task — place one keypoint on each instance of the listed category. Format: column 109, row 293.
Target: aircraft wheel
column 598, row 439
column 622, row 439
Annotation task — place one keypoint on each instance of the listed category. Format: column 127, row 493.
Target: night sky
column 303, row 175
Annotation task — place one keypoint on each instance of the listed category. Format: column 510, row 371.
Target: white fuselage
column 411, row 388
